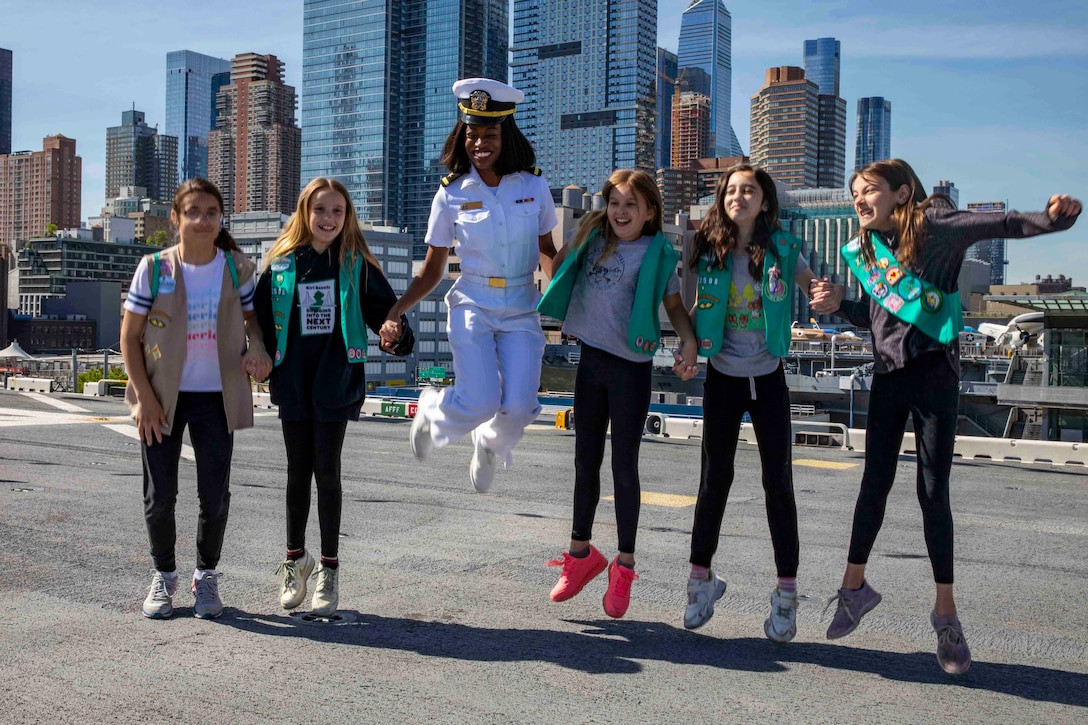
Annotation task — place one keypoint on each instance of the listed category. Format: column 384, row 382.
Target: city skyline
column 970, row 90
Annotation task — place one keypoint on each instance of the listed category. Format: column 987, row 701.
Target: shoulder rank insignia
column 451, row 177
column 536, row 171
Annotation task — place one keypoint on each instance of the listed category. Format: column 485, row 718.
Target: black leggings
column 725, row 400
column 313, row 452
column 213, row 444
column 609, row 389
column 928, row 390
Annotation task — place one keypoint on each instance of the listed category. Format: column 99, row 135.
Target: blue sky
column 992, row 95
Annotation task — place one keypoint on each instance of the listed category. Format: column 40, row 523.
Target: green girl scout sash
column 905, row 294
column 351, row 313
column 644, row 327
column 776, row 289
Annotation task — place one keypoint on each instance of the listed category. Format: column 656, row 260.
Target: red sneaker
column 618, row 595
column 576, row 573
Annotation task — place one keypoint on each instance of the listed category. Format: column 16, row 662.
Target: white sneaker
column 206, row 590
column 481, row 470
column 294, row 573
column 419, row 438
column 159, row 603
column 702, row 593
column 327, row 592
column 781, row 624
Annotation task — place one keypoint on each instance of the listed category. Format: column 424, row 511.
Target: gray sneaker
column 702, row 593
column 781, row 624
column 952, row 652
column 206, row 590
column 852, row 605
column 159, row 603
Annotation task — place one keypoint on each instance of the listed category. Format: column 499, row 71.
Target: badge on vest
column 774, row 288
column 167, row 285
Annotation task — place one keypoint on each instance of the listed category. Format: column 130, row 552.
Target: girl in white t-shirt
column 184, row 335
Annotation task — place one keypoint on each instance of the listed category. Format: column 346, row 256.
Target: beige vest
column 164, row 342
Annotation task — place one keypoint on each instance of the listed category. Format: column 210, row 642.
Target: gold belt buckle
column 496, row 281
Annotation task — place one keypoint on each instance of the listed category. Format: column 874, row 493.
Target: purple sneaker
column 853, row 604
column 952, row 652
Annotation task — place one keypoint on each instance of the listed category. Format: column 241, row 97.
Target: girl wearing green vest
column 320, row 290
column 611, row 281
column 747, row 271
column 907, row 257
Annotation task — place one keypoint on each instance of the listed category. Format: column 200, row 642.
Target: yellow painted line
column 813, row 463
column 663, row 499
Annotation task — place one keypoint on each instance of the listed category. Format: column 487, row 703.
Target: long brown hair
column 719, row 235
column 297, row 233
column 642, row 184
column 223, row 240
column 909, row 217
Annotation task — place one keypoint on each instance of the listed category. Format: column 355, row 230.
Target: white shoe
column 294, row 573
column 159, row 603
column 481, row 470
column 420, row 436
column 206, row 590
column 781, row 624
column 702, row 593
column 327, row 592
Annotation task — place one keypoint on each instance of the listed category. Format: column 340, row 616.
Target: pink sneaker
column 577, row 572
column 618, row 595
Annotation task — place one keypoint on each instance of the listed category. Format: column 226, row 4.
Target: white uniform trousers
column 496, row 361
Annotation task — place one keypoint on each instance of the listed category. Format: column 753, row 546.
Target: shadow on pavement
column 618, row 646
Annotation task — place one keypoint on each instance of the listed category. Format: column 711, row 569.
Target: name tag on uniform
column 470, row 205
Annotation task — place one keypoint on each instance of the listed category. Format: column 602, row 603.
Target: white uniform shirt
column 495, row 230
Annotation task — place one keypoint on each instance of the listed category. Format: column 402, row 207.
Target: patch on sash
column 910, row 288
column 893, row 275
column 280, row 265
column 880, row 290
column 932, row 300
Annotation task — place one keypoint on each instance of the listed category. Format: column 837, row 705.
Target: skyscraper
column 948, row 188
column 377, row 104
column 39, row 188
column 821, row 63
column 588, row 72
column 706, row 42
column 874, row 131
column 991, row 251
column 255, row 149
column 190, row 106
column 136, row 155
column 786, row 126
column 666, row 80
column 6, row 83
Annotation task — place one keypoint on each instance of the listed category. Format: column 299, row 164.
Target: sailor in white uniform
column 496, row 208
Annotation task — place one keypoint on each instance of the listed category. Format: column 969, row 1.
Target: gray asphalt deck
column 444, row 592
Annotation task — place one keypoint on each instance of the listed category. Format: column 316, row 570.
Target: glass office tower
column 821, row 64
column 5, row 101
column 666, row 86
column 588, row 71
column 706, row 42
column 190, row 106
column 377, row 104
column 874, row 131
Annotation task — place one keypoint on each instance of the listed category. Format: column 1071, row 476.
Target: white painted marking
column 55, row 402
column 187, row 451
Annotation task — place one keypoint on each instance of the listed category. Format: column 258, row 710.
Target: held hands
column 687, row 360
column 256, row 363
column 390, row 335
column 826, row 297
column 1062, row 205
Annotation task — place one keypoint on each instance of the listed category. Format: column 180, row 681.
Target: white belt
column 500, row 282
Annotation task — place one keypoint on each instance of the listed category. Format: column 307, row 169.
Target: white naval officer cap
column 485, row 101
